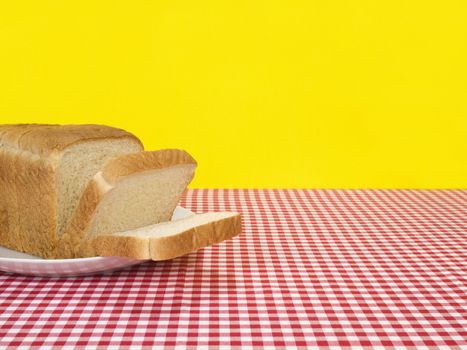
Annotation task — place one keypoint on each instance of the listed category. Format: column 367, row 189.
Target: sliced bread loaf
column 166, row 240
column 63, row 186
column 131, row 191
column 43, row 172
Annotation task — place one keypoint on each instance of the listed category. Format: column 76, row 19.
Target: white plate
column 16, row 262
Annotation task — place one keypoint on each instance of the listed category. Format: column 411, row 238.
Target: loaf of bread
column 64, row 186
column 43, row 172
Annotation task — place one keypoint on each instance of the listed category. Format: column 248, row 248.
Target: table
column 321, row 268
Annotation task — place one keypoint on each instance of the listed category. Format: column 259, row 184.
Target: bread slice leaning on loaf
column 130, row 191
column 166, row 240
column 43, row 172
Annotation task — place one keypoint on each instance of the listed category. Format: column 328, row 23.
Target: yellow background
column 262, row 93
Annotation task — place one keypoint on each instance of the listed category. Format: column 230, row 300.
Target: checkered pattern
column 335, row 268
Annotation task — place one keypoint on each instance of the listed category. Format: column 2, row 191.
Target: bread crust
column 73, row 240
column 168, row 247
column 131, row 163
column 52, row 139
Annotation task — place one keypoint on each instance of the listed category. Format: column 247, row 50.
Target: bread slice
column 167, row 240
column 131, row 191
column 43, row 172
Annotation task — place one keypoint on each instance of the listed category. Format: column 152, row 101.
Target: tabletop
column 312, row 268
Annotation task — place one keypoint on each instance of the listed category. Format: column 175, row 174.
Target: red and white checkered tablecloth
column 313, row 268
